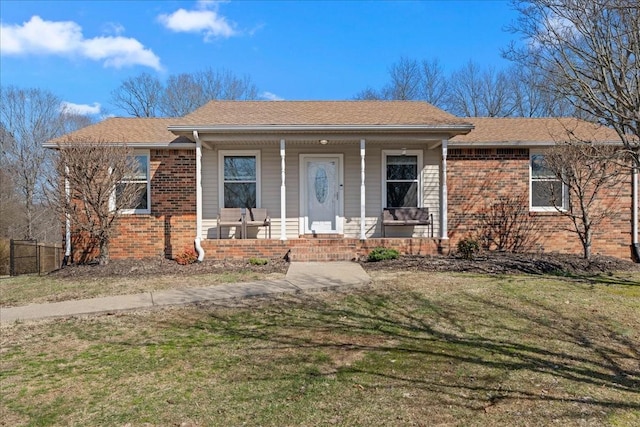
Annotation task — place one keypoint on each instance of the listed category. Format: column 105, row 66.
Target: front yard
column 414, row 348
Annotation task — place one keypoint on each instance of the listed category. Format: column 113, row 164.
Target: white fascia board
column 188, row 129
column 147, row 145
column 522, row 144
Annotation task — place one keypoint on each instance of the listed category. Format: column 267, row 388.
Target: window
column 548, row 193
column 401, row 173
column 239, row 171
column 141, row 180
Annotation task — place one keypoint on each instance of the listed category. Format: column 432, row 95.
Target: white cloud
column 207, row 22
column 113, row 28
column 82, row 109
column 271, row 96
column 65, row 38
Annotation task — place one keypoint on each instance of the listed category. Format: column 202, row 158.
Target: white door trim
column 303, row 220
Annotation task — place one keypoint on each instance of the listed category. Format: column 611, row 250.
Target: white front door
column 321, row 194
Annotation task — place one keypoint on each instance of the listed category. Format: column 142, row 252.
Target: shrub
column 468, row 247
column 258, row 261
column 380, row 254
column 189, row 256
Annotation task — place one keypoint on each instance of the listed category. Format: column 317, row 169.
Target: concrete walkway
column 301, row 276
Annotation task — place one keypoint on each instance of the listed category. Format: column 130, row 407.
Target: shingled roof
column 534, row 130
column 264, row 113
column 125, row 130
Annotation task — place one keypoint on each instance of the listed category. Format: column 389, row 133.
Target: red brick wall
column 477, row 177
column 171, row 226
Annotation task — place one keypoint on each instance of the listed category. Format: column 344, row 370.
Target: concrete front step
column 307, row 255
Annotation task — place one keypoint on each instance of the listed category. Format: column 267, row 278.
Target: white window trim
column 565, row 193
column 147, row 154
column 221, row 155
column 402, row 152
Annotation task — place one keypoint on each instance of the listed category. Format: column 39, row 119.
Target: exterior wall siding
column 479, row 177
column 476, row 179
column 170, row 228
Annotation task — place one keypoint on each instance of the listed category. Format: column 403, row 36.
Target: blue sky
column 294, row 50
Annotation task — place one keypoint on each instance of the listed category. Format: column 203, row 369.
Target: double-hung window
column 548, row 193
column 401, row 171
column 139, row 179
column 239, row 172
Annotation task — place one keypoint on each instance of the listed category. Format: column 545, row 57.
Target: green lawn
column 412, row 349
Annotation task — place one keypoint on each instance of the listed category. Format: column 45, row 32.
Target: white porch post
column 363, row 235
column 444, row 233
column 283, row 194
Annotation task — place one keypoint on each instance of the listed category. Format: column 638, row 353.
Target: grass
column 31, row 289
column 412, row 349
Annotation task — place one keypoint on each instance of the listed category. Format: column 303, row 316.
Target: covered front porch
column 321, row 187
column 324, row 171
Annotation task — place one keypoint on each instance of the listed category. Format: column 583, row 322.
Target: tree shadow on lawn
column 465, row 350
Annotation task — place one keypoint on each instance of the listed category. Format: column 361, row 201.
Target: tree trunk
column 103, row 256
column 586, row 245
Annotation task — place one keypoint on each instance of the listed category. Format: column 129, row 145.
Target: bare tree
column 369, row 94
column 28, row 118
column 588, row 51
column 591, row 185
column 433, row 84
column 405, row 80
column 146, row 96
column 474, row 92
column 138, row 96
column 182, row 94
column 92, row 188
column 186, row 92
column 530, row 97
column 224, row 84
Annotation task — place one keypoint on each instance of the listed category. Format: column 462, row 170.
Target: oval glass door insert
column 321, row 185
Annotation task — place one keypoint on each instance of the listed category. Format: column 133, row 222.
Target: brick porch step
column 316, row 249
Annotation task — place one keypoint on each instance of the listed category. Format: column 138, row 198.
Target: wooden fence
column 29, row 257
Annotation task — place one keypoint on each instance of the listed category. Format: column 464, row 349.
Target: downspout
column 363, row 217
column 635, row 248
column 444, row 208
column 198, row 238
column 67, row 222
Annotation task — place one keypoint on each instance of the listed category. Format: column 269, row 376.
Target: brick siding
column 479, row 177
column 171, row 226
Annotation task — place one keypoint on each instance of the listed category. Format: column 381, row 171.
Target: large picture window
column 139, row 179
column 547, row 192
column 239, row 179
column 402, row 179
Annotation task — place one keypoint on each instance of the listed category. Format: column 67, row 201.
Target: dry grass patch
column 415, row 348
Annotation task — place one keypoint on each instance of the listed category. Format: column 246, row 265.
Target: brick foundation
column 317, row 249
